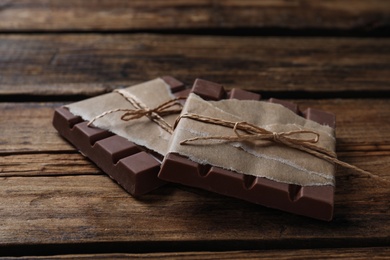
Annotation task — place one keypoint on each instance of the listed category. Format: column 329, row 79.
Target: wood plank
column 358, row 122
column 69, row 164
column 70, row 64
column 46, row 164
column 92, row 212
column 84, row 210
column 30, row 15
column 27, row 127
column 344, row 253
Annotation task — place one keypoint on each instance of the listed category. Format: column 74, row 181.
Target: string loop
column 154, row 114
column 292, row 139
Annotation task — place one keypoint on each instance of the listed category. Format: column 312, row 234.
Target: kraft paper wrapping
column 141, row 131
column 258, row 158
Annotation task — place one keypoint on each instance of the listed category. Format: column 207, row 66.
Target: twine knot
column 291, row 139
column 275, row 136
column 154, row 114
column 253, row 132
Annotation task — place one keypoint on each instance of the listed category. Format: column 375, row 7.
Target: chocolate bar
column 312, row 201
column 134, row 167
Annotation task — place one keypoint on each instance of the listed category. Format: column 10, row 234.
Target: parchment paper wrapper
column 258, row 158
column 140, row 131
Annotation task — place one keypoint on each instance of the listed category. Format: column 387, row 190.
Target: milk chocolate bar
column 312, row 201
column 133, row 167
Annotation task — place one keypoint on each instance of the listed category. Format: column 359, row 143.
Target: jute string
column 253, row 132
column 154, row 114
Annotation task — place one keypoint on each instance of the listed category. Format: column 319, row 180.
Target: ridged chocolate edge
column 311, row 201
column 131, row 166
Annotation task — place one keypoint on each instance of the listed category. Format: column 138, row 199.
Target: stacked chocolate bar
column 232, row 143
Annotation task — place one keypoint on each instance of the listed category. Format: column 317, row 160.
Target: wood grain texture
column 361, row 125
column 46, row 164
column 70, row 64
column 343, row 253
column 94, row 211
column 30, row 15
column 61, row 202
column 27, row 127
column 54, row 203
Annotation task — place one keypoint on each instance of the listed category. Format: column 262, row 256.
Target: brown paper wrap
column 141, row 131
column 257, row 158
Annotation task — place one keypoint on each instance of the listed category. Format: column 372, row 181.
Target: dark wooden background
column 54, row 203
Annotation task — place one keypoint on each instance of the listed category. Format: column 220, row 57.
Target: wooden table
column 331, row 55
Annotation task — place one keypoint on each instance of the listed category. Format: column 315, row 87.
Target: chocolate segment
column 130, row 165
column 208, row 90
column 312, row 201
column 241, row 94
column 293, row 107
column 320, row 116
column 174, row 84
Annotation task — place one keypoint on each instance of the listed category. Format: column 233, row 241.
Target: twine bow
column 154, row 114
column 253, row 132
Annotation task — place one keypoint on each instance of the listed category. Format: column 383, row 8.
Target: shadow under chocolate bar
column 131, row 166
column 311, row 201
